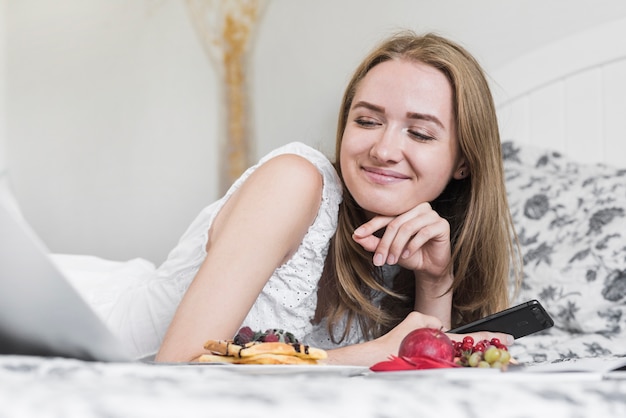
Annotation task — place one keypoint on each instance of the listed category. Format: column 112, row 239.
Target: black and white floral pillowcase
column 571, row 221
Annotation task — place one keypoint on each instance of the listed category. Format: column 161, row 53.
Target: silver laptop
column 40, row 311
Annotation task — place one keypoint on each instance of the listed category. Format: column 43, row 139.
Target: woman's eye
column 366, row 123
column 420, row 136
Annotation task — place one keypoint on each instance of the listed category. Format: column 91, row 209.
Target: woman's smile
column 383, row 176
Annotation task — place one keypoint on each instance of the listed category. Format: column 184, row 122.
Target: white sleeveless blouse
column 141, row 313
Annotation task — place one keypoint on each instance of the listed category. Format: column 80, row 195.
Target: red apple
column 428, row 342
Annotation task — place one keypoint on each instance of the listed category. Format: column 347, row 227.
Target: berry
column 271, row 338
column 474, row 359
column 479, row 347
column 492, row 354
column 458, row 349
column 505, row 356
column 244, row 336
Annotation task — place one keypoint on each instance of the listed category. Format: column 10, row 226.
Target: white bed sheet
column 31, row 386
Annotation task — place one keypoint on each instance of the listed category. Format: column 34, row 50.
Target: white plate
column 289, row 369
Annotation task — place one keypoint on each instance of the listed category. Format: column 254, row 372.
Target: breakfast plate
column 274, row 369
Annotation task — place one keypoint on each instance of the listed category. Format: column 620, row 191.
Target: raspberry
column 271, row 338
column 247, row 335
column 244, row 336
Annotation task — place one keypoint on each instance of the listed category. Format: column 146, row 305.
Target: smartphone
column 518, row 321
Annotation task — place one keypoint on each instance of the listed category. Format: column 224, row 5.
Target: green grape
column 475, row 358
column 492, row 354
column 505, row 356
column 496, row 365
column 487, row 354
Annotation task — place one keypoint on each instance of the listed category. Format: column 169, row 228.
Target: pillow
column 571, row 222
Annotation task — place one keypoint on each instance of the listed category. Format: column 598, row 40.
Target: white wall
column 112, row 108
column 307, row 50
column 112, row 123
column 3, row 33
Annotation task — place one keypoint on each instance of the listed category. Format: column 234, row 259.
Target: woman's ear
column 461, row 171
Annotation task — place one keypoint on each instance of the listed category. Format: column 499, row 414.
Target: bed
column 561, row 114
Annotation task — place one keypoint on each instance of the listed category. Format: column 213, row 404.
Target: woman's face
column 399, row 147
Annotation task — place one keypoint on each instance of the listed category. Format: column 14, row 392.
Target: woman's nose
column 387, row 147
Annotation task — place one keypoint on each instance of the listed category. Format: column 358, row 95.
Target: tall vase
column 226, row 29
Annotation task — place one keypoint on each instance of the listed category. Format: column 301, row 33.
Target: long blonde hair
column 484, row 251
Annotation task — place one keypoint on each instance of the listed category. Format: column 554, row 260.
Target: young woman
column 408, row 228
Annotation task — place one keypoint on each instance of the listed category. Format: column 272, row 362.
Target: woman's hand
column 371, row 352
column 417, row 240
column 413, row 321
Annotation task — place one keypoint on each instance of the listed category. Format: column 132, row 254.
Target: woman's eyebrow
column 370, row 106
column 426, row 117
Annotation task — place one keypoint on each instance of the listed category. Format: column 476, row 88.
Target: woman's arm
column 257, row 230
column 431, row 297
column 371, row 352
column 418, row 240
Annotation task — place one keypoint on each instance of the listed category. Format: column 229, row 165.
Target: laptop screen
column 40, row 312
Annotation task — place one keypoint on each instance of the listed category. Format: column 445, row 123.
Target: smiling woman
column 399, row 240
column 350, row 254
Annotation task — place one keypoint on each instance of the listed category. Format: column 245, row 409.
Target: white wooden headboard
column 569, row 95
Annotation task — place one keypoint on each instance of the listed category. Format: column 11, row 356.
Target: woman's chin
column 382, row 210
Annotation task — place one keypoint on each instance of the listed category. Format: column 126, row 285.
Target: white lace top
column 287, row 301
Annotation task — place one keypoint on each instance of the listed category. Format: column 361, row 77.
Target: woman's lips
column 383, row 176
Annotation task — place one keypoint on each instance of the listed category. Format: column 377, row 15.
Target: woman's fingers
column 370, row 227
column 368, row 242
column 403, row 235
column 410, row 235
column 419, row 320
column 364, row 236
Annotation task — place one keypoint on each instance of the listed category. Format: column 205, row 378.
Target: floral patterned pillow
column 571, row 222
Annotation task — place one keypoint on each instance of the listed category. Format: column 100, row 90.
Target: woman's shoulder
column 316, row 158
column 289, row 176
column 311, row 154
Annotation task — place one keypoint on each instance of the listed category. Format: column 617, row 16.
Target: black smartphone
column 518, row 321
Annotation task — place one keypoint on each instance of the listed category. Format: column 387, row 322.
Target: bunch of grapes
column 484, row 353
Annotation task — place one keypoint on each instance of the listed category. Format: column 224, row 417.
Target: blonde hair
column 484, row 250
